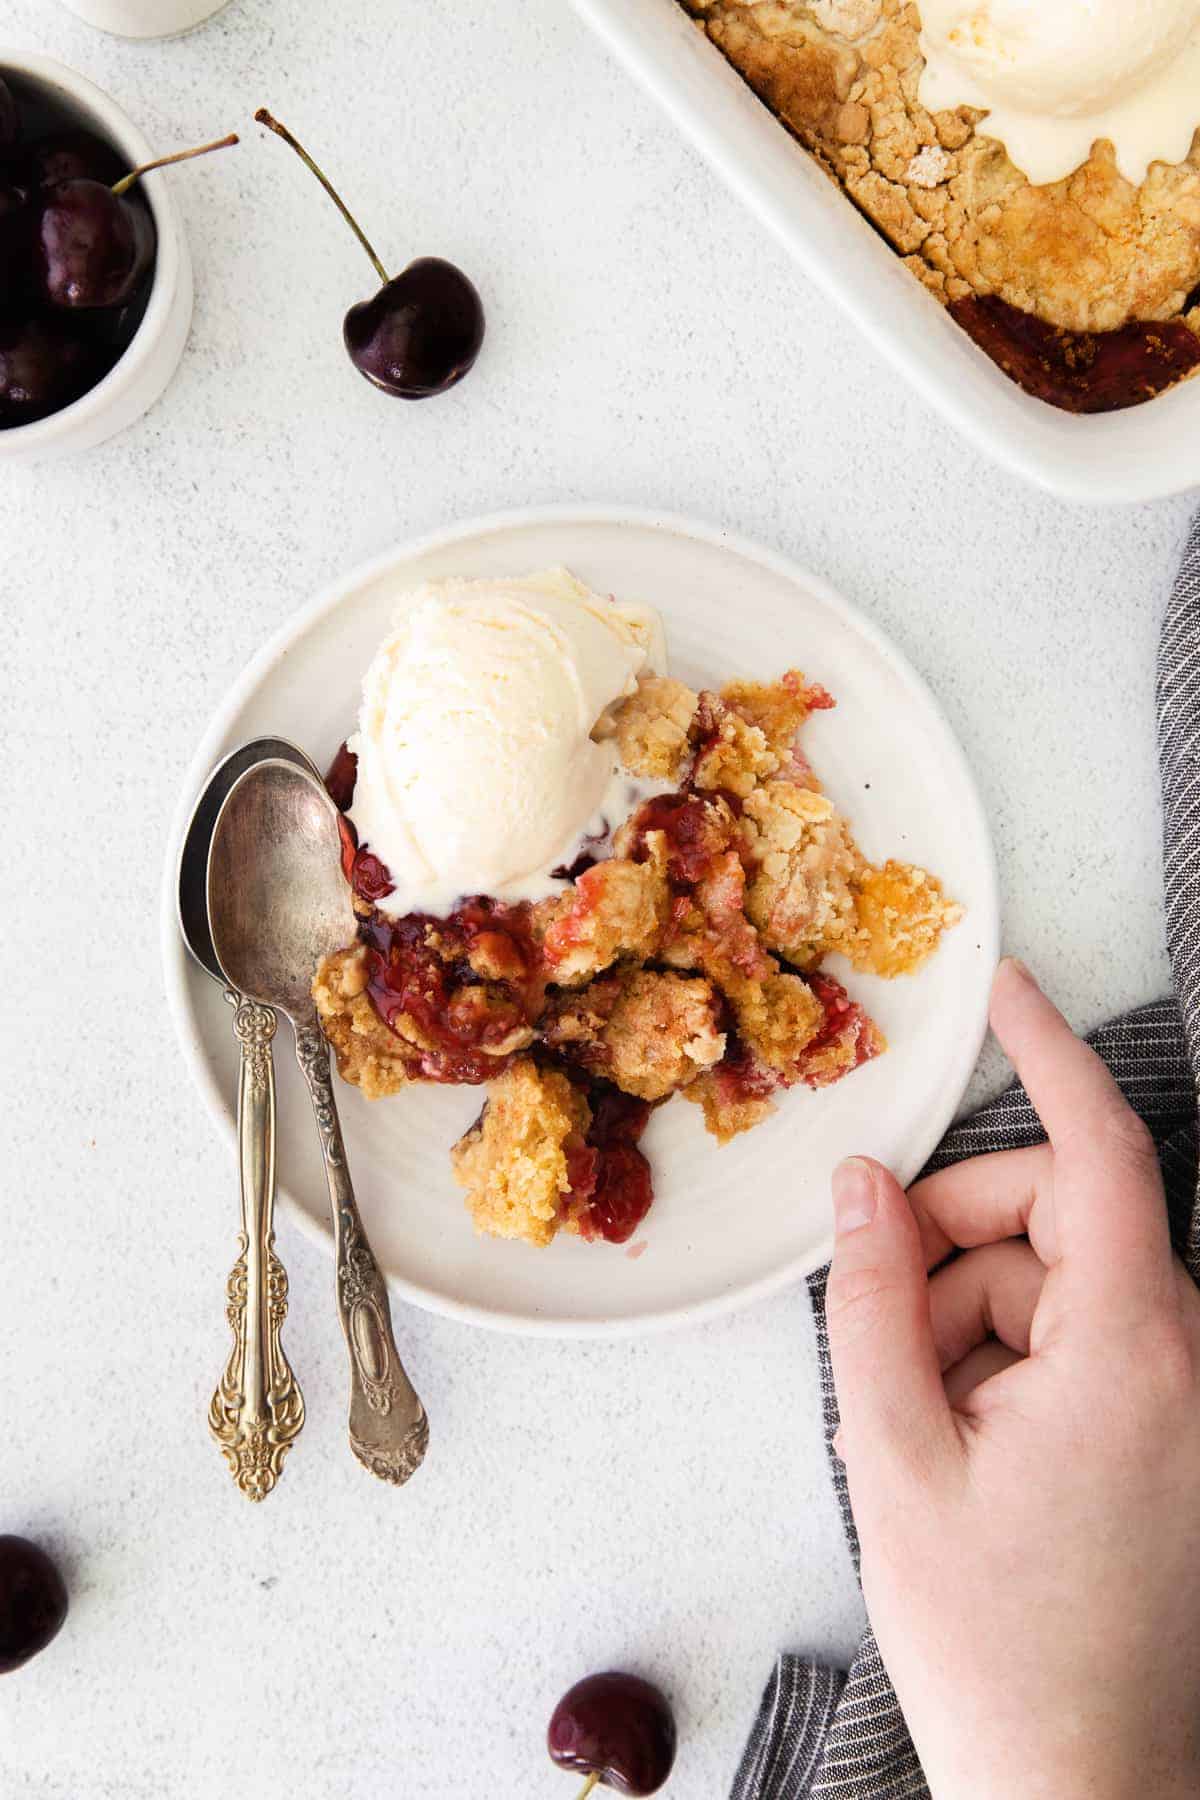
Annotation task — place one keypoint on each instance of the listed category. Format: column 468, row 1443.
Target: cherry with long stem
column 93, row 244
column 421, row 332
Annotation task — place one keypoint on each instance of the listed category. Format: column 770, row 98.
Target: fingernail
column 1021, row 970
column 853, row 1195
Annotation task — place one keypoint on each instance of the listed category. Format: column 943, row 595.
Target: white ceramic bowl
column 134, row 383
column 145, row 18
column 1141, row 453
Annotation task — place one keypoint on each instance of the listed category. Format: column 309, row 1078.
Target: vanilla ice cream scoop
column 1055, row 75
column 483, row 763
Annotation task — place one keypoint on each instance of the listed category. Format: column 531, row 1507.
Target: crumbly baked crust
column 689, row 961
column 649, row 1031
column 514, row 1161
column 653, row 726
column 1088, row 253
column 618, row 909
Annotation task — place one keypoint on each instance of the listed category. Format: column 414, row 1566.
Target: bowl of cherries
column 95, row 279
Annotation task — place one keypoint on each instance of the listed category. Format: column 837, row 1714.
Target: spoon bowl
column 277, row 899
column 192, row 883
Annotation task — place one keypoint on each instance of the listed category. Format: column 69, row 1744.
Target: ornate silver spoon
column 277, row 903
column 257, row 1409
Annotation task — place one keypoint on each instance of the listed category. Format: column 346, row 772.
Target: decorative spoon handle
column 389, row 1432
column 258, row 1408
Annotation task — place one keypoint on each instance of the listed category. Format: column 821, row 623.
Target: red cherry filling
column 705, row 871
column 847, row 1031
column 1080, row 371
column 845, row 1041
column 694, row 831
column 608, row 1171
column 740, row 1075
column 420, row 974
column 340, row 778
column 370, row 878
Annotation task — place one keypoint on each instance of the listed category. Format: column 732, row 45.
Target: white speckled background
column 661, row 1505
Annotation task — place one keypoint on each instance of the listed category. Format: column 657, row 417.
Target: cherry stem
column 263, row 117
column 589, row 1784
column 160, row 162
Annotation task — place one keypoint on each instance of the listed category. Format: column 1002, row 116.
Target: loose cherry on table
column 92, row 244
column 33, row 1601
column 616, row 1729
column 422, row 331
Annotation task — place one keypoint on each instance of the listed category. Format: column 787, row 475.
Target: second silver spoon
column 277, row 903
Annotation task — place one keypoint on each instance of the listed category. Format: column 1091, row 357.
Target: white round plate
column 728, row 1225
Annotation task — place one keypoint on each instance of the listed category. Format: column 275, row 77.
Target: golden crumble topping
column 513, row 1162
column 901, row 914
column 648, row 1031
column 812, row 892
column 653, row 726
column 1088, row 253
column 618, row 909
column 777, row 1018
column 779, row 709
column 802, row 861
column 733, row 756
column 726, row 1110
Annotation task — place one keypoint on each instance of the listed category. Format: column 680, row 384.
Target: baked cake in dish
column 683, row 953
column 1085, row 289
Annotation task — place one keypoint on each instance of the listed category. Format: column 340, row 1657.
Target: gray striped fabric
column 828, row 1734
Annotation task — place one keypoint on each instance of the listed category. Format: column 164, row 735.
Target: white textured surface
column 661, row 1505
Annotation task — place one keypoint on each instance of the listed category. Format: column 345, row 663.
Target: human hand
column 1021, row 1434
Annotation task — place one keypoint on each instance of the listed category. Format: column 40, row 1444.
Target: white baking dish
column 1141, row 453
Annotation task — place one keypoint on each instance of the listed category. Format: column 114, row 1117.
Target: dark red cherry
column 74, row 156
column 33, row 1601
column 422, row 331
column 10, row 123
column 91, row 246
column 617, row 1730
column 16, row 247
column 44, row 365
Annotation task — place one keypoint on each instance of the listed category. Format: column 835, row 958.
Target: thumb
column 894, row 1409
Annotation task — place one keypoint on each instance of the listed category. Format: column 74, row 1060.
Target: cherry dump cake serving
column 591, row 888
column 1035, row 163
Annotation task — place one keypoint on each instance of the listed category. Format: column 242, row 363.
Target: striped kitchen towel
column 832, row 1734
